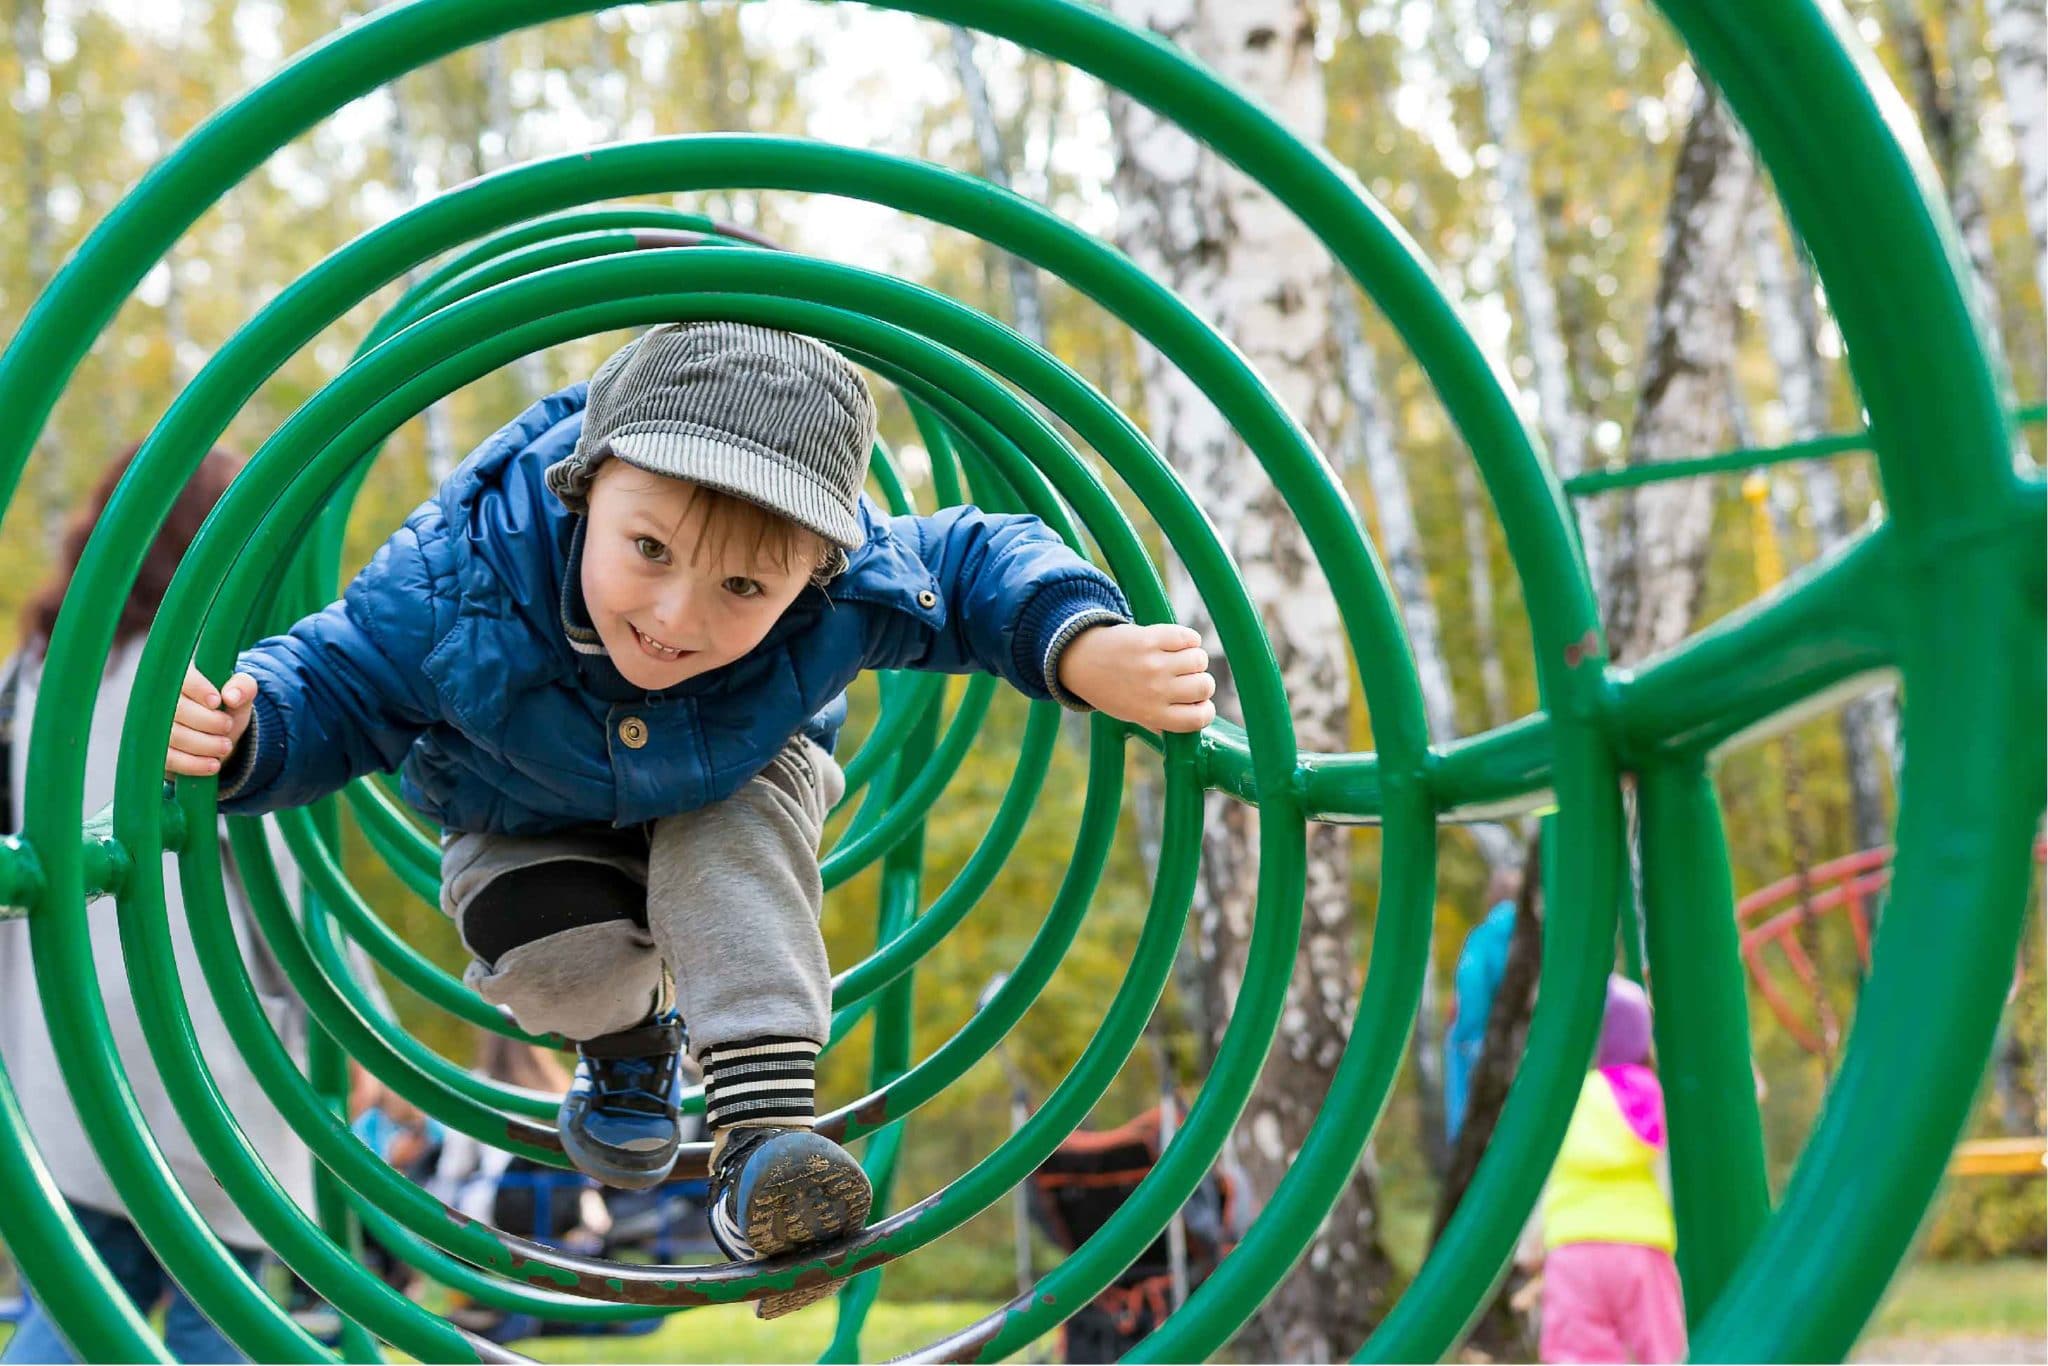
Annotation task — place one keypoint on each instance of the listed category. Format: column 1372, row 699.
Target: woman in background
column 25, row 1044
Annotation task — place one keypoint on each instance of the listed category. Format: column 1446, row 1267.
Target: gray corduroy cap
column 771, row 417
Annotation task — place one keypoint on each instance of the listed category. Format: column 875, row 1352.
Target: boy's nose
column 673, row 612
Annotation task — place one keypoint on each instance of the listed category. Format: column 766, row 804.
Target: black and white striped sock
column 761, row 1081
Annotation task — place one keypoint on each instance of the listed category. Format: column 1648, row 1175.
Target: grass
column 1931, row 1300
column 1951, row 1299
column 732, row 1333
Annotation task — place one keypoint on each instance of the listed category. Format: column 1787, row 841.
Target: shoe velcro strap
column 647, row 1041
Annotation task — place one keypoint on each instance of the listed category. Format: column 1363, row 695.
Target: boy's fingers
column 1192, row 660
column 1191, row 688
column 239, row 692
column 199, row 743
column 200, row 688
column 1172, row 637
column 196, row 715
column 190, row 765
column 1190, row 716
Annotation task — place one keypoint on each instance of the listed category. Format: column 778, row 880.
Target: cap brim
column 743, row 472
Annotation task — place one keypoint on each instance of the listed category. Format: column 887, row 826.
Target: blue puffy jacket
column 463, row 651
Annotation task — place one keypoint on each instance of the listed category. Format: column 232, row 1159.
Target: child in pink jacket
column 1610, row 1287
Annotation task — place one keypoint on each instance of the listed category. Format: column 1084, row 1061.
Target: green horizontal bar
column 1828, row 623
column 1727, row 462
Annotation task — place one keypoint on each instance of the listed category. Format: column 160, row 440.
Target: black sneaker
column 620, row 1120
column 775, row 1191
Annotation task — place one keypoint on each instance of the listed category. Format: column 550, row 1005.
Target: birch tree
column 1256, row 274
column 1660, row 544
column 1368, row 443
column 435, row 423
column 1791, row 324
column 33, row 104
column 1493, row 678
column 1948, row 118
column 1027, row 312
column 2019, row 45
column 1557, row 414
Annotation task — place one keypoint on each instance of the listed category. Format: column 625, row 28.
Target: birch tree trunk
column 1246, row 265
column 2019, row 44
column 1948, row 116
column 33, row 104
column 495, row 144
column 1558, row 417
column 1368, row 443
column 438, row 430
column 1027, row 312
column 1792, row 331
column 1493, row 678
column 1661, row 534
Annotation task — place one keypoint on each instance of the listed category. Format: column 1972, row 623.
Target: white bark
column 496, row 145
column 1948, row 118
column 1661, row 536
column 33, row 105
column 1493, row 678
column 1969, row 189
column 1255, row 273
column 1027, row 312
column 2019, row 44
column 1792, row 331
column 1558, row 417
column 1368, row 442
column 438, row 430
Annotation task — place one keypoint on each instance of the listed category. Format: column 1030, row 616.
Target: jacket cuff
column 259, row 754
column 1074, row 626
column 1050, row 621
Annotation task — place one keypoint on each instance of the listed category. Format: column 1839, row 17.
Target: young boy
column 611, row 655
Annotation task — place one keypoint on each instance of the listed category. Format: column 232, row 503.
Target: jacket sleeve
column 1015, row 597
column 344, row 692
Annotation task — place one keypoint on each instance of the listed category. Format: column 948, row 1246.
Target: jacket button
column 927, row 599
column 633, row 731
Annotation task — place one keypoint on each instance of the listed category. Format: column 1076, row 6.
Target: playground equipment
column 1948, row 591
column 1773, row 915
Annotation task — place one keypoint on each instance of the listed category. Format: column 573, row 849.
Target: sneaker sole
column 804, row 1199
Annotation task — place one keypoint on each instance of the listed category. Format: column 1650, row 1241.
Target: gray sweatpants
column 733, row 897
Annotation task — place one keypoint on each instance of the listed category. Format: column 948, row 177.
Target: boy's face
column 665, row 612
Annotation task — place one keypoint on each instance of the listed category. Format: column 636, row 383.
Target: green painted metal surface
column 538, row 254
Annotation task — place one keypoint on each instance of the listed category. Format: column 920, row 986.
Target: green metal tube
column 1720, row 1193
column 327, row 1070
column 891, row 1051
column 1730, row 462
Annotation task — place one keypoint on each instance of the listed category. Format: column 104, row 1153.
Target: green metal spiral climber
column 1948, row 591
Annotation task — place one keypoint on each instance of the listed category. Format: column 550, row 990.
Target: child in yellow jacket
column 1610, row 1287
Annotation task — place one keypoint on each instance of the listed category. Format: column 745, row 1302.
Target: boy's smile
column 676, row 580
column 658, row 650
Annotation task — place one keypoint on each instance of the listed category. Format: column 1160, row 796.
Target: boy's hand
column 1152, row 676
column 209, row 722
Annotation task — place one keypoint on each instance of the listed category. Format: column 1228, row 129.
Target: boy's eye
column 650, row 548
column 742, row 587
